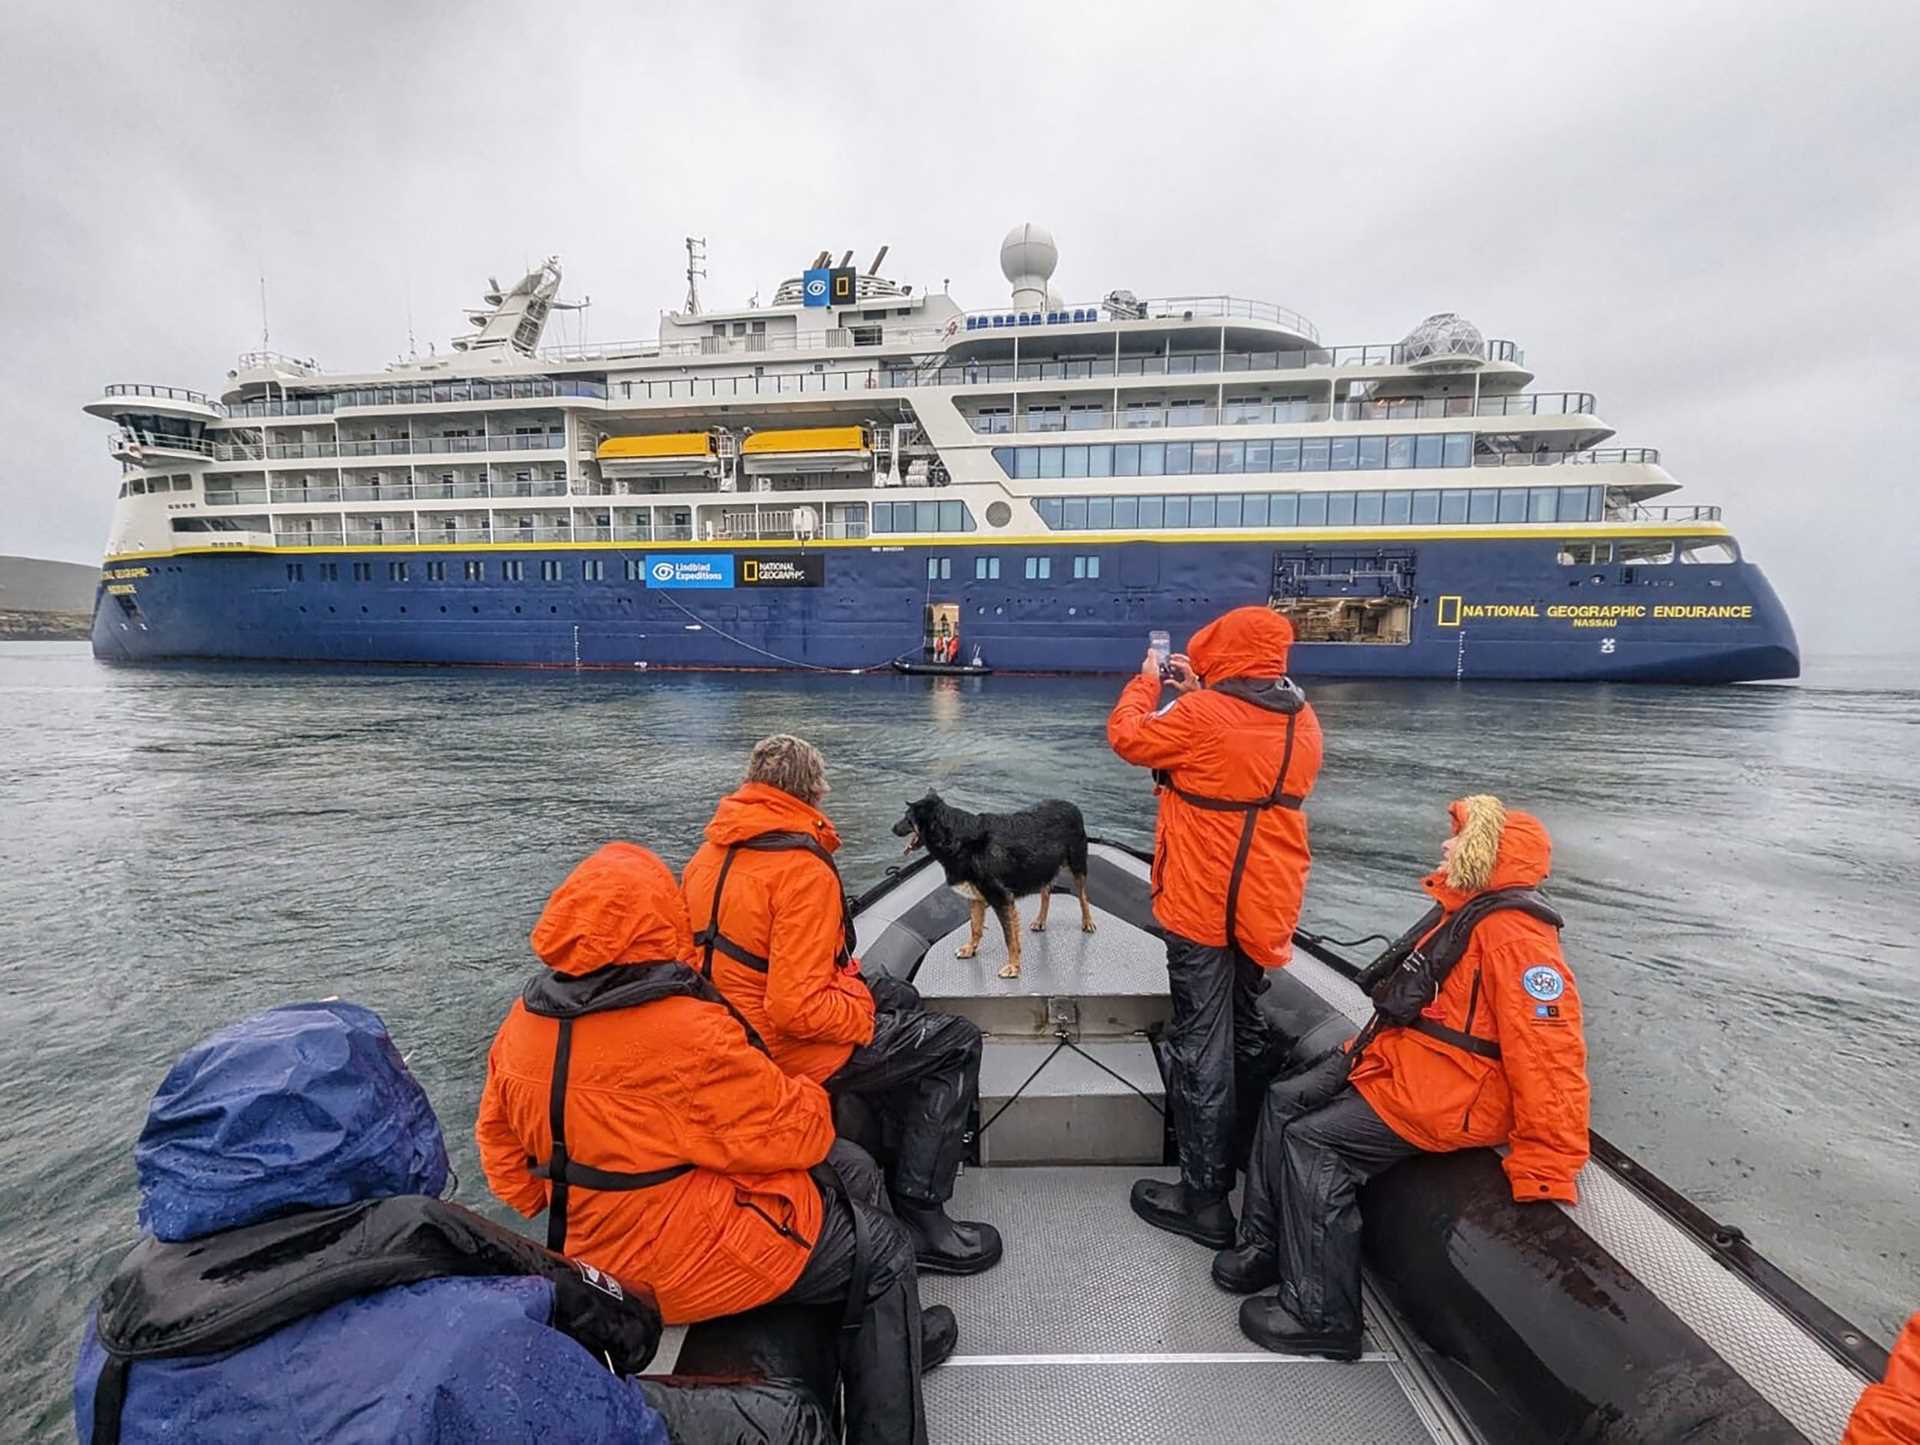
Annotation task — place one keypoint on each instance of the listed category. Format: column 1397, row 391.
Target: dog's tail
column 1076, row 841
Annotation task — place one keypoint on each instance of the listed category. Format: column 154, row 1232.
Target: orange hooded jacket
column 784, row 906
column 1513, row 987
column 669, row 1082
column 1221, row 746
column 1889, row 1413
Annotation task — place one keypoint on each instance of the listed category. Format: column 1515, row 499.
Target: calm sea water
column 181, row 846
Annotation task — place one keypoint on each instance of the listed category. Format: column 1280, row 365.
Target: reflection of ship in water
column 818, row 482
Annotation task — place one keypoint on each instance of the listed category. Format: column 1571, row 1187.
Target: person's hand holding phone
column 1179, row 674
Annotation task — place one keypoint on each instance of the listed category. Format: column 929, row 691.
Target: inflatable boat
column 1631, row 1316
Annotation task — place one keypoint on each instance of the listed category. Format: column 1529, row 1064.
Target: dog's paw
column 1086, row 928
column 966, row 950
column 1039, row 926
column 1011, row 970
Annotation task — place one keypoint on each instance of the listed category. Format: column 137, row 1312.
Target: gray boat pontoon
column 1631, row 1316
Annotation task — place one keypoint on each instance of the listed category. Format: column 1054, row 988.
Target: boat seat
column 792, row 1345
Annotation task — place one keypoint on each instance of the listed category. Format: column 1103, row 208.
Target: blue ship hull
column 1477, row 607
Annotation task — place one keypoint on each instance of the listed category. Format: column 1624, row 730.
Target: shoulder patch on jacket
column 1543, row 981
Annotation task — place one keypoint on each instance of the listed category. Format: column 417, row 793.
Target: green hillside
column 45, row 600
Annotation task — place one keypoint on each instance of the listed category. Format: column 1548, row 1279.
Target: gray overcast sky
column 1706, row 214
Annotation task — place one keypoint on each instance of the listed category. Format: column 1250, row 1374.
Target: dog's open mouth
column 913, row 841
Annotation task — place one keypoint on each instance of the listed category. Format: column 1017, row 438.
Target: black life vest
column 223, row 1291
column 711, row 938
column 566, row 997
column 1409, row 974
column 1251, row 811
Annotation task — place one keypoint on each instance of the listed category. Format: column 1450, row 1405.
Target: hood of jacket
column 621, row 905
column 1497, row 848
column 1246, row 642
column 307, row 1106
column 756, row 808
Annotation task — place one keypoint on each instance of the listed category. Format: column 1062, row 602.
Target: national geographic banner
column 783, row 569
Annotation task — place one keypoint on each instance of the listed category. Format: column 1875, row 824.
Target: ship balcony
column 139, row 399
column 287, row 533
column 381, row 536
column 138, row 447
column 1092, row 417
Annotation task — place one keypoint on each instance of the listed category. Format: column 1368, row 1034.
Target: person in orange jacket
column 1889, row 1413
column 1495, row 1055
column 776, row 938
column 1234, row 755
column 626, row 1098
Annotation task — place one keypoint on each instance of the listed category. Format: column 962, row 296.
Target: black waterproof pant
column 1310, row 1156
column 921, row 1073
column 880, row 1360
column 1216, row 1046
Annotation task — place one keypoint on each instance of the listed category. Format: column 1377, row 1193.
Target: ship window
column 1543, row 505
column 1712, row 551
column 183, row 484
column 1073, row 513
column 436, row 571
column 123, row 488
column 1201, row 511
column 329, row 571
column 1340, row 509
column 1372, row 453
column 1206, row 458
column 1398, row 509
column 1573, row 505
column 476, row 571
column 1426, row 507
column 1453, row 507
column 552, row 570
column 1076, row 460
column 636, row 569
column 1227, row 510
column 1153, row 511
column 1585, row 554
column 1028, row 459
column 939, row 569
column 1049, row 510
column 1087, row 568
column 396, row 571
column 1153, row 459
column 1286, row 455
column 1126, row 460
column 363, row 571
column 1367, row 508
column 1485, row 505
column 138, row 486
column 296, row 572
column 1313, row 509
column 593, row 570
column 1284, row 510
column 1646, row 554
column 1177, row 511
column 1052, row 463
column 1313, row 453
column 954, row 517
column 1126, row 512
column 986, row 569
column 1259, row 456
column 1344, row 452
column 1253, row 509
column 1428, row 450
column 1459, row 449
column 1039, row 568
column 1399, row 452
column 1513, row 504
column 512, row 571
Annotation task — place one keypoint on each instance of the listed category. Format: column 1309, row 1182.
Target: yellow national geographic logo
column 1449, row 612
column 750, row 569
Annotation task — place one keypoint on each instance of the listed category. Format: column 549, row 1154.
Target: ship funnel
column 878, row 257
column 1027, row 258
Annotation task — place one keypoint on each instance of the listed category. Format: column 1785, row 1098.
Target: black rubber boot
column 939, row 1335
column 1173, row 1208
column 1268, row 1325
column 1247, row 1269
column 948, row 1246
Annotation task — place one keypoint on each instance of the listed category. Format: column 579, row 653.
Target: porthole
column 553, row 609
column 516, row 608
column 998, row 611
column 998, row 514
column 1073, row 612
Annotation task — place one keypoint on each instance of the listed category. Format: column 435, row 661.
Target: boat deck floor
column 1097, row 1327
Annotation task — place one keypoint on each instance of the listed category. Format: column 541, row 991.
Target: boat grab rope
column 1327, row 940
column 1068, row 1044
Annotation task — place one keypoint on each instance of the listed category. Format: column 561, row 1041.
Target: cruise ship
column 859, row 475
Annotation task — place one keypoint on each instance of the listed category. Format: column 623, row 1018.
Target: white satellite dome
column 1027, row 258
column 1444, row 337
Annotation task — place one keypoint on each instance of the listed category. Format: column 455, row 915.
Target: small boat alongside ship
column 819, row 482
column 1631, row 1316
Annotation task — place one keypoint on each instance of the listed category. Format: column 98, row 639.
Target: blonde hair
column 791, row 764
column 1476, row 842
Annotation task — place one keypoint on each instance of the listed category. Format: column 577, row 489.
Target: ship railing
column 282, row 406
column 277, row 361
column 159, row 442
column 592, row 532
column 235, row 496
column 449, row 536
column 378, row 492
column 1641, row 512
column 673, row 534
column 445, row 393
column 548, row 487
column 162, row 393
column 1230, row 308
column 1532, row 403
column 632, row 534
column 316, row 538
column 1595, row 457
column 383, row 537
column 306, row 494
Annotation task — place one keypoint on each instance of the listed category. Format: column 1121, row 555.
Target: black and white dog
column 997, row 858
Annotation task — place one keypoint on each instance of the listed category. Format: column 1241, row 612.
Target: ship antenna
column 265, row 338
column 696, row 268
